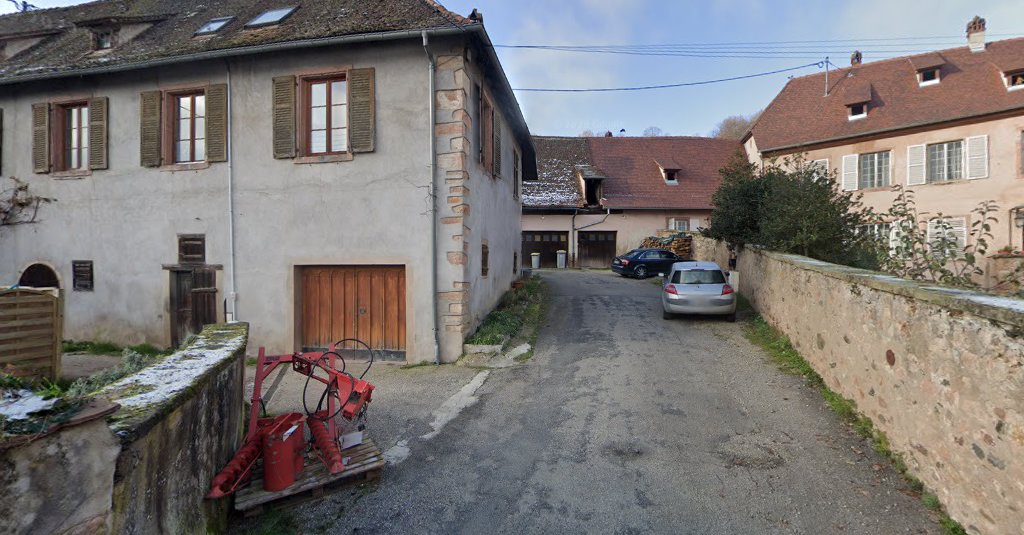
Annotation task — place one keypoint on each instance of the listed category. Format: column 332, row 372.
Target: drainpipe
column 572, row 236
column 230, row 313
column 432, row 66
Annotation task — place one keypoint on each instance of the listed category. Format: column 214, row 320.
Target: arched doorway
column 39, row 276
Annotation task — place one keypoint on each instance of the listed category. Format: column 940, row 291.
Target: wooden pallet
column 363, row 463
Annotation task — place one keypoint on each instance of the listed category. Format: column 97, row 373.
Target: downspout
column 230, row 313
column 572, row 237
column 433, row 202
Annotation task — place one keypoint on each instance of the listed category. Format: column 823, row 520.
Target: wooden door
column 596, row 248
column 193, row 302
column 547, row 243
column 181, row 306
column 362, row 302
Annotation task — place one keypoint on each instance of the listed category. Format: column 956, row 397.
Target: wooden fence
column 31, row 325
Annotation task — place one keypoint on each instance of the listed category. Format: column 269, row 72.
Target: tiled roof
column 175, row 22
column 971, row 84
column 556, row 185
column 633, row 179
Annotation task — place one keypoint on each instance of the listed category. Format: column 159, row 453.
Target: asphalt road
column 623, row 422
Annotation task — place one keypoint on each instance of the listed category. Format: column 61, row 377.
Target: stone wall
column 940, row 371
column 148, row 466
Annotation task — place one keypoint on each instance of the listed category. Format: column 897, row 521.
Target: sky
column 834, row 28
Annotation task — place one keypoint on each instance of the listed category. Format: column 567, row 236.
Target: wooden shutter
column 362, row 114
column 487, row 130
column 192, row 249
column 217, row 123
column 1, row 141
column 149, row 129
column 284, row 117
column 850, row 172
column 916, row 165
column 497, row 145
column 977, row 157
column 98, row 133
column 41, row 137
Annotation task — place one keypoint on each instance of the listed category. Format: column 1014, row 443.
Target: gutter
column 245, row 50
column 432, row 67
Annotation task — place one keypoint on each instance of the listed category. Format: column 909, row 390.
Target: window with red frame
column 326, row 116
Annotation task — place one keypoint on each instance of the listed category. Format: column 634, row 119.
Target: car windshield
column 698, row 276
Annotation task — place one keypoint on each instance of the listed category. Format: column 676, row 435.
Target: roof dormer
column 1012, row 70
column 109, row 33
column 929, row 68
column 857, row 98
column 670, row 170
column 592, row 183
column 13, row 44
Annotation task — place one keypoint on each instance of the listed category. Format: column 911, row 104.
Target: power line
column 947, row 38
column 818, row 64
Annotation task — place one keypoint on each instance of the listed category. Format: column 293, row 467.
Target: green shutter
column 98, row 133
column 41, row 137
column 217, row 123
column 284, row 116
column 362, row 114
column 149, row 135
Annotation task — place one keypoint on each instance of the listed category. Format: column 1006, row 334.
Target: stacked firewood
column 681, row 244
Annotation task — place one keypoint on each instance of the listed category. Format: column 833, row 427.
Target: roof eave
column 240, row 51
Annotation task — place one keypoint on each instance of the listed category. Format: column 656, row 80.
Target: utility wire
column 946, row 38
column 818, row 64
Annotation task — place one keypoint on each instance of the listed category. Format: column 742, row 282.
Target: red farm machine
column 276, row 448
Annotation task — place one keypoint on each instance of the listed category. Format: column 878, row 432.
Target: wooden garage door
column 362, row 302
column 547, row 243
column 597, row 248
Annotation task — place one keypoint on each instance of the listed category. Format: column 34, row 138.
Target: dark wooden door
column 193, row 302
column 596, row 248
column 547, row 243
column 362, row 302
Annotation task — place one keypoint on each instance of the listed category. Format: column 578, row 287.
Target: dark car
column 642, row 263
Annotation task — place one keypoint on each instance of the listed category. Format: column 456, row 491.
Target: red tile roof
column 971, row 85
column 633, row 178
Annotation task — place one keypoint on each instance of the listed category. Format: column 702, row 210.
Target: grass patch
column 518, row 308
column 110, row 348
column 417, row 365
column 789, row 360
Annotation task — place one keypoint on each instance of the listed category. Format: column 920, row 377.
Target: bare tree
column 587, row 133
column 653, row 131
column 734, row 126
column 18, row 206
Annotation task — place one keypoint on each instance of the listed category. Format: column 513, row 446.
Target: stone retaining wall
column 940, row 371
column 148, row 466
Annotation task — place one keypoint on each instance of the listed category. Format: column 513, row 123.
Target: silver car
column 698, row 288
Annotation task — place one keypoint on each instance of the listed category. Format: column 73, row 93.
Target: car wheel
column 731, row 318
column 667, row 315
column 640, row 272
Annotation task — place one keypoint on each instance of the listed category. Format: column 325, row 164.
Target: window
column 699, row 276
column 928, row 77
column 72, row 143
column 947, row 234
column 103, row 40
column 873, row 170
column 484, row 260
column 1015, row 80
column 189, row 128
column 880, row 231
column 214, row 25
column 858, row 111
column 191, row 249
column 326, row 116
column 81, row 275
column 945, row 161
column 679, row 224
column 819, row 168
column 272, row 16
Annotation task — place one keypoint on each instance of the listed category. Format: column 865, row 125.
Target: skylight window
column 272, row 16
column 214, row 25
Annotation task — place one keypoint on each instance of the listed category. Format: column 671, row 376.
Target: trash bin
column 561, row 260
column 535, row 260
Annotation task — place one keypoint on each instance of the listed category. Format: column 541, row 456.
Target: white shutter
column 977, row 157
column 888, row 170
column 915, row 165
column 895, row 234
column 958, row 229
column 933, row 229
column 850, row 173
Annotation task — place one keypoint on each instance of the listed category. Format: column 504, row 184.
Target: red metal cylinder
column 282, row 443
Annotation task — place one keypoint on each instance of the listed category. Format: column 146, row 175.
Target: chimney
column 476, row 16
column 608, row 133
column 856, row 58
column 976, row 34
